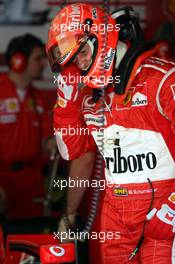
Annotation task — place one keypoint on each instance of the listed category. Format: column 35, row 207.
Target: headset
column 18, row 62
column 16, row 56
column 19, row 50
column 131, row 31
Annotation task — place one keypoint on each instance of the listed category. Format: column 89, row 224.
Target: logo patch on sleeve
column 139, row 99
column 12, row 105
column 172, row 198
column 62, row 102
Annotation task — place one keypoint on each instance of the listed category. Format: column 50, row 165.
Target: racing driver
column 121, row 86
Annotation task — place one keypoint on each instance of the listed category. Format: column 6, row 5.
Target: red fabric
column 147, row 118
column 125, row 216
column 84, row 209
column 63, row 121
column 21, row 190
column 95, row 244
column 138, row 144
column 23, row 125
column 161, row 225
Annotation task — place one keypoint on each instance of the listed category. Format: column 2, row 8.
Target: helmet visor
column 64, row 48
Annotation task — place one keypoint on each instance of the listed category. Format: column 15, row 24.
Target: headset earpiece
column 18, row 62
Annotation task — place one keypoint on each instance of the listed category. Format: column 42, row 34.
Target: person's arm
column 80, row 170
column 72, row 135
column 165, row 97
column 72, row 143
column 161, row 220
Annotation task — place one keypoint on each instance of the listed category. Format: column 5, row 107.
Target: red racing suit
column 139, row 140
column 23, row 125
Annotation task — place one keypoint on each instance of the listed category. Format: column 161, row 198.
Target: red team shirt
column 23, row 125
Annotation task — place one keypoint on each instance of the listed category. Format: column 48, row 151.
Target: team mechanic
column 138, row 130
column 24, row 128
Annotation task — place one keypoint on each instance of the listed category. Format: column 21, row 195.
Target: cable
column 140, row 242
column 99, row 166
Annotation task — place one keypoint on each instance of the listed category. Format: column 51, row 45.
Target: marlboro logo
column 118, row 163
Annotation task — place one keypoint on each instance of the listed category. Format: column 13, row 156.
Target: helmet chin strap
column 120, row 52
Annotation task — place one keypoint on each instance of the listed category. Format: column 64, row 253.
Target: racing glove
column 161, row 221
